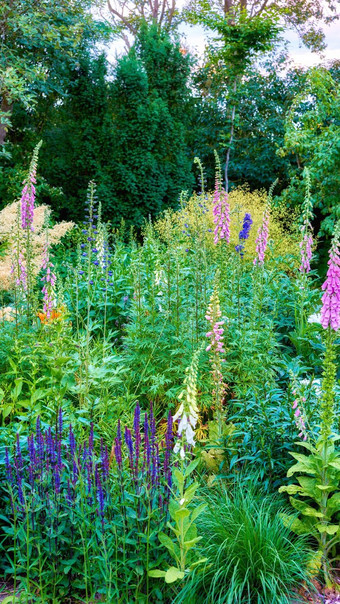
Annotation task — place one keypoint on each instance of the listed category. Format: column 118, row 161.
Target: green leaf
column 335, row 464
column 156, row 574
column 291, row 489
column 167, row 542
column 305, row 509
column 173, row 574
column 191, row 467
column 330, row 529
column 179, row 478
column 197, row 511
column 182, row 513
column 192, row 542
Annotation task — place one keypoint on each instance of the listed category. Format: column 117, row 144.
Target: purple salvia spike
column 136, row 425
column 72, row 442
column 9, row 474
column 56, row 475
column 118, row 452
column 100, row 494
column 60, row 422
column 59, row 460
column 119, row 431
column 129, row 444
column 20, row 492
column 19, row 455
column 90, row 450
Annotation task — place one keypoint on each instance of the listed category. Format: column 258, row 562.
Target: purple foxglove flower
column 330, row 311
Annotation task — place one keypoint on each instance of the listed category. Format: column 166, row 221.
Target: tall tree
column 150, row 153
column 243, row 30
column 37, row 39
column 129, row 15
column 312, row 140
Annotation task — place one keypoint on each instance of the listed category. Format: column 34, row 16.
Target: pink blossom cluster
column 262, row 238
column 299, row 421
column 306, row 252
column 221, row 214
column 27, row 201
column 49, row 280
column 330, row 311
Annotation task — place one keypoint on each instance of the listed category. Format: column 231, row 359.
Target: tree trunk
column 232, row 128
column 5, row 108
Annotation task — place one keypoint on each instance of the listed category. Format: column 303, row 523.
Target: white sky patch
column 195, row 39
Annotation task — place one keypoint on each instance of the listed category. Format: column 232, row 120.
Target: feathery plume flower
column 330, row 311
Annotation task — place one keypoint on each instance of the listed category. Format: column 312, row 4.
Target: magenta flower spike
column 28, row 192
column 330, row 311
column 221, row 212
column 262, row 238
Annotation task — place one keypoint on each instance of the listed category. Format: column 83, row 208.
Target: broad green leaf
column 173, row 574
column 156, row 574
column 182, row 513
column 330, row 529
column 305, row 509
column 191, row 467
column 167, row 542
column 291, row 489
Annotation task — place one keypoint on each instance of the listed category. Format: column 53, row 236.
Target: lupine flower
column 221, row 212
column 262, row 238
column 330, row 311
column 247, row 222
column 244, row 233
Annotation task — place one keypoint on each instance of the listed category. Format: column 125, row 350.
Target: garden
column 169, row 313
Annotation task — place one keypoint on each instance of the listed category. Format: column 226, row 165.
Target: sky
column 194, row 38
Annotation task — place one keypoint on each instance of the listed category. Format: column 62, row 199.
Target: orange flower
column 54, row 316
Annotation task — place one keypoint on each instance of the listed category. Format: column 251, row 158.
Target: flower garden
column 169, row 405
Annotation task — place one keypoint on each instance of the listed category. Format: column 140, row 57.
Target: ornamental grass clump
column 251, row 556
